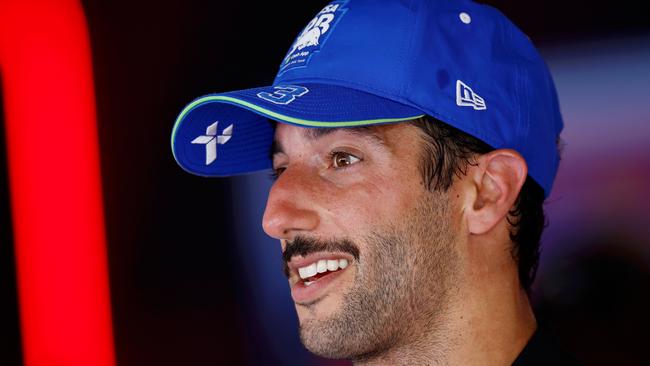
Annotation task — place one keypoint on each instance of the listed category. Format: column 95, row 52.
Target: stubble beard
column 401, row 289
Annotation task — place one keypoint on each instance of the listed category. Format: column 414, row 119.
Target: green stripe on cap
column 281, row 117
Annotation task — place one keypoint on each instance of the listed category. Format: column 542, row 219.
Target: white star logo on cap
column 211, row 139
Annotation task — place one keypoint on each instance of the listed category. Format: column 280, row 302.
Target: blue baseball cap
column 368, row 62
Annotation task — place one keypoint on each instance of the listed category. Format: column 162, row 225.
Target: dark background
column 176, row 272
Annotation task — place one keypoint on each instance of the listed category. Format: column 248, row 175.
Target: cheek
column 377, row 202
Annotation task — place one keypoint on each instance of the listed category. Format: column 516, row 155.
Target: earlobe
column 497, row 179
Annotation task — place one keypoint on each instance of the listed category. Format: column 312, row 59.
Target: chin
column 317, row 341
column 333, row 335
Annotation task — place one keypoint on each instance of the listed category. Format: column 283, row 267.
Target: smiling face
column 370, row 253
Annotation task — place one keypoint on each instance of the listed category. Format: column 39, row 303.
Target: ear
column 492, row 188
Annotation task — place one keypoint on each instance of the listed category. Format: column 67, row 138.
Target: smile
column 316, row 270
column 315, row 275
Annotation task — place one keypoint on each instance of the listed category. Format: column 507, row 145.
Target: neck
column 488, row 322
column 495, row 327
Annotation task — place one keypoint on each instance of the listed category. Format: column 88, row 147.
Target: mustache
column 304, row 246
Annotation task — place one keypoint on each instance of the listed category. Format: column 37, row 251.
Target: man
column 413, row 144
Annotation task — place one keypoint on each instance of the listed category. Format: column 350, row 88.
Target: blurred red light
column 54, row 177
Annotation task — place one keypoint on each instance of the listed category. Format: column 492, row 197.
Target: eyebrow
column 315, row 133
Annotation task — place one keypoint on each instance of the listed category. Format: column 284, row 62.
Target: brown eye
column 341, row 159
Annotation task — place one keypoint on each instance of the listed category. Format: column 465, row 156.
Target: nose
column 290, row 207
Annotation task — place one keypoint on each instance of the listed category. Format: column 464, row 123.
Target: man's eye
column 275, row 173
column 342, row 159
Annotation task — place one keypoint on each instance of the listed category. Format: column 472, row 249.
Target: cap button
column 465, row 18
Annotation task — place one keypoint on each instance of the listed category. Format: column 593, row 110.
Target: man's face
column 369, row 252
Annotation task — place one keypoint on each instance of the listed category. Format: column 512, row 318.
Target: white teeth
column 343, row 263
column 332, row 265
column 306, row 272
column 321, row 266
column 307, row 283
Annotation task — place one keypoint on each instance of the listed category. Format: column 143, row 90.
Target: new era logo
column 465, row 97
column 211, row 139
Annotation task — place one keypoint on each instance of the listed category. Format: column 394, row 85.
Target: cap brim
column 230, row 133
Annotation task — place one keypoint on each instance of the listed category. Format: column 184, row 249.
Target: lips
column 309, row 274
column 312, row 277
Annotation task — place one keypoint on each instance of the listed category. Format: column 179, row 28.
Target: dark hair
column 448, row 152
